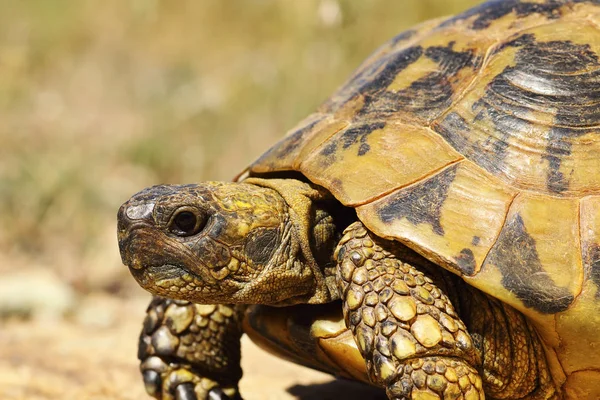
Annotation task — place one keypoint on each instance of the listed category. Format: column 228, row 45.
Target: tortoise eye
column 186, row 223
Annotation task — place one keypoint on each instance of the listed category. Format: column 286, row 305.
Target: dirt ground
column 92, row 356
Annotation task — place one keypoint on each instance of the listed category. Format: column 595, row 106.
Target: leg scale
column 191, row 351
column 406, row 328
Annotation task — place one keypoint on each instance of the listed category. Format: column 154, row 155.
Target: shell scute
column 452, row 217
column 533, row 118
column 299, row 142
column 391, row 154
column 534, row 255
column 421, row 203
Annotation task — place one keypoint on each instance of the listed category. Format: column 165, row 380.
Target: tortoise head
column 214, row 243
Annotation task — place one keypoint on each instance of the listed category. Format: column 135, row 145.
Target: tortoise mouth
column 177, row 282
column 165, row 271
column 162, row 276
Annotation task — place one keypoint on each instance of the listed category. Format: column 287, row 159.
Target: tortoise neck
column 319, row 221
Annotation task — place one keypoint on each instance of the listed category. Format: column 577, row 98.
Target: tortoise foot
column 433, row 378
column 175, row 382
column 190, row 351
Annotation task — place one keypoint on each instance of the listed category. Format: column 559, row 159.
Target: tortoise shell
column 475, row 141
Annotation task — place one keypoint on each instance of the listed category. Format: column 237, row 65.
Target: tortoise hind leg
column 513, row 358
column 406, row 328
column 190, row 351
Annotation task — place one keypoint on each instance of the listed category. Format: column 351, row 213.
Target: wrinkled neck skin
column 262, row 241
column 313, row 235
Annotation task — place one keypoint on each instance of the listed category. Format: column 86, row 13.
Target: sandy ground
column 92, row 356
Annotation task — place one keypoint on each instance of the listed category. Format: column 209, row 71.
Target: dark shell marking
column 375, row 77
column 402, row 37
column 354, row 135
column 290, row 143
column 557, row 77
column 487, row 13
column 592, row 260
column 516, row 256
column 421, row 203
column 428, row 96
column 457, row 131
column 466, row 261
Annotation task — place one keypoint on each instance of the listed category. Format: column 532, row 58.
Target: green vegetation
column 99, row 99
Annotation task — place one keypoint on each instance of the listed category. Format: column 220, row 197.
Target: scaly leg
column 406, row 328
column 513, row 361
column 191, row 351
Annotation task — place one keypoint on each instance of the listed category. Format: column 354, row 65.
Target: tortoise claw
column 152, row 382
column 185, row 391
column 218, row 394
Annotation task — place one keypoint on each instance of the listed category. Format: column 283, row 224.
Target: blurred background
column 99, row 99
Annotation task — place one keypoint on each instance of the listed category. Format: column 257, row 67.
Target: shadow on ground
column 336, row 389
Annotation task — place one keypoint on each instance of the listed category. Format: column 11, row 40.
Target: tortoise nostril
column 139, row 211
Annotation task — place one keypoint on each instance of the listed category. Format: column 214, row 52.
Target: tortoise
column 433, row 228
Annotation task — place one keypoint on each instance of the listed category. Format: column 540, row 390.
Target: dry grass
column 101, row 98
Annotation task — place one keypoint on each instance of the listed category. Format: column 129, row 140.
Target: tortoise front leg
column 190, row 351
column 413, row 342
